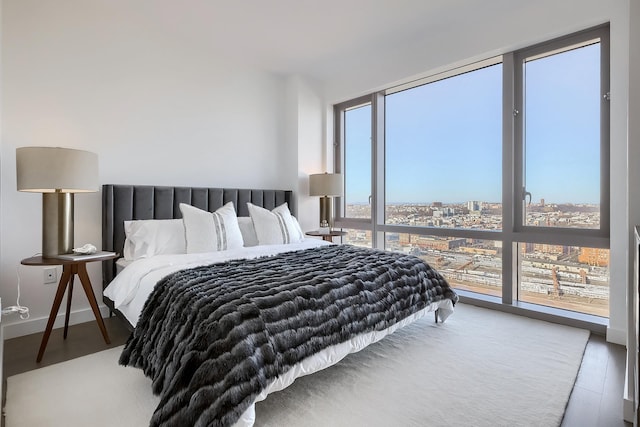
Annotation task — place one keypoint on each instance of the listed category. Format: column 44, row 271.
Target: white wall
column 621, row 258
column 156, row 111
column 634, row 125
column 304, row 144
column 633, row 193
column 310, row 148
column 517, row 25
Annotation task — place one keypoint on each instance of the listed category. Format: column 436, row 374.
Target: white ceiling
column 311, row 38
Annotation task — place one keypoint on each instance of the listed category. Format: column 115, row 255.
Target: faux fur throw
column 211, row 338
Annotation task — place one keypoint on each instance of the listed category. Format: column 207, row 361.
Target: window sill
column 597, row 325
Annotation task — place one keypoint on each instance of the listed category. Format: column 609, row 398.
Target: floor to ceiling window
column 357, row 166
column 561, row 140
column 495, row 173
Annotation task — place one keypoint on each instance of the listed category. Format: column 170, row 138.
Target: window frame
column 585, row 236
column 340, row 220
column 513, row 230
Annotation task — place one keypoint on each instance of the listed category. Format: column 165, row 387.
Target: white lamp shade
column 47, row 169
column 325, row 184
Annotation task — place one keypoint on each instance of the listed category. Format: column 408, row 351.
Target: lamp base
column 326, row 217
column 57, row 224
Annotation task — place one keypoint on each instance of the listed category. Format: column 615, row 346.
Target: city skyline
column 462, row 202
column 566, row 276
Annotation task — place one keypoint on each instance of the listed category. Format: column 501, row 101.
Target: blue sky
column 444, row 139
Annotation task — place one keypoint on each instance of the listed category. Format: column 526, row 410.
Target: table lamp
column 326, row 185
column 57, row 173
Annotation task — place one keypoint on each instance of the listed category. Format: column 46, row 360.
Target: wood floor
column 596, row 399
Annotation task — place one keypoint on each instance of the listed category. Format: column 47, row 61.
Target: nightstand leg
column 66, row 275
column 86, row 285
column 69, row 296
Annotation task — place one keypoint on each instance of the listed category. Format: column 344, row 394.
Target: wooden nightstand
column 70, row 267
column 327, row 236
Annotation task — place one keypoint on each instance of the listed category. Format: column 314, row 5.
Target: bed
column 122, row 203
column 227, row 323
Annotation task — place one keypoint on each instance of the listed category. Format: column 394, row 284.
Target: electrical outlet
column 50, row 275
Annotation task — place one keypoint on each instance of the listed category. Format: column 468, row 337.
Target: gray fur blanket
column 211, row 338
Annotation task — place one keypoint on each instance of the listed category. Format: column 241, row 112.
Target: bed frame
column 131, row 202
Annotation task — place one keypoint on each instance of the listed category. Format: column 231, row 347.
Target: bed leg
column 436, row 313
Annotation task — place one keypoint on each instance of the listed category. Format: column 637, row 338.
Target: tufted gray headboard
column 129, row 202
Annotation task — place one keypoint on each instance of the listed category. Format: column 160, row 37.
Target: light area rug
column 480, row 368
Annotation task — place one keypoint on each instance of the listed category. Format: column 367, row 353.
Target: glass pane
column 357, row 162
column 568, row 277
column 358, row 237
column 562, row 139
column 469, row 264
column 443, row 157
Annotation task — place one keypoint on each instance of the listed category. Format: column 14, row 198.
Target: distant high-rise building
column 437, row 204
column 474, row 206
column 542, row 202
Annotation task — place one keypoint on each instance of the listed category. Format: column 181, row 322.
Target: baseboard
column 617, row 336
column 2, row 367
column 34, row 326
column 627, row 410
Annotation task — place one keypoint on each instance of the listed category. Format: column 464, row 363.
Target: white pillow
column 275, row 227
column 149, row 237
column 249, row 236
column 209, row 232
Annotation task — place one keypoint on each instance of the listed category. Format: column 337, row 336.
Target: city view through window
column 567, row 277
column 443, row 169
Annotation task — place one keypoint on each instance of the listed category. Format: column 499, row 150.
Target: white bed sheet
column 133, row 285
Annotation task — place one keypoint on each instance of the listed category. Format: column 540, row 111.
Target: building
column 222, row 94
column 594, row 256
column 427, row 242
column 275, row 94
column 474, row 206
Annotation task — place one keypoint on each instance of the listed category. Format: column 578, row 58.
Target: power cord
column 22, row 310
